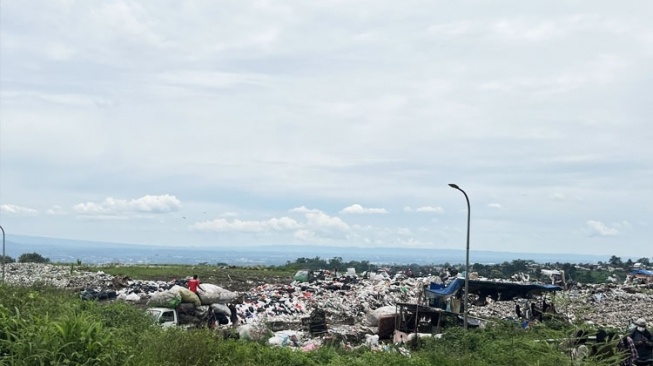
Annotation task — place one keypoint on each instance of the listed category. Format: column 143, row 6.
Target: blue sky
column 329, row 123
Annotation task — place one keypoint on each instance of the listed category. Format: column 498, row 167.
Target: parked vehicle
column 166, row 317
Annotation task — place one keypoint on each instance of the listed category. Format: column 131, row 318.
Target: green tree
column 495, row 273
column 615, row 261
column 33, row 258
column 629, row 263
column 7, row 259
column 645, row 261
column 336, row 262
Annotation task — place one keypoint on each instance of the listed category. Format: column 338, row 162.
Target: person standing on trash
column 194, row 284
column 643, row 340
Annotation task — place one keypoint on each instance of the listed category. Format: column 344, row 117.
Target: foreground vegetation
column 47, row 326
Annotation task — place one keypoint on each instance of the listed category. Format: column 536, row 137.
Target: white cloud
column 224, row 225
column 495, row 206
column 358, row 209
column 323, row 221
column 305, row 235
column 601, row 229
column 356, row 109
column 525, row 29
column 404, row 231
column 315, row 221
column 428, row 209
column 56, row 210
column 17, row 210
column 147, row 204
column 304, row 209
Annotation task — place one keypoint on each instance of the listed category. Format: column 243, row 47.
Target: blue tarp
column 500, row 291
column 453, row 287
column 641, row 272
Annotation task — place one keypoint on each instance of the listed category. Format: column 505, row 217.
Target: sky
column 330, row 123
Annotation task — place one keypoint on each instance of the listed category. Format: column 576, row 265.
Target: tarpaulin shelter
column 645, row 276
column 641, row 272
column 498, row 291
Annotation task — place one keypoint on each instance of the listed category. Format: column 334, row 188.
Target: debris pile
column 28, row 274
column 605, row 305
column 305, row 315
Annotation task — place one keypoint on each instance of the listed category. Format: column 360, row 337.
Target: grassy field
column 233, row 278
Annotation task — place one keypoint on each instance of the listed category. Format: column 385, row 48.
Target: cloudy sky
column 330, row 123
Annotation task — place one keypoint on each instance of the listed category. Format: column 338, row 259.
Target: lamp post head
column 455, row 186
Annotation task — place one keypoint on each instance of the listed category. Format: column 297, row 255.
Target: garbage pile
column 606, row 305
column 328, row 309
column 28, row 274
column 344, row 300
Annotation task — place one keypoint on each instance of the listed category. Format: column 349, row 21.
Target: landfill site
column 356, row 309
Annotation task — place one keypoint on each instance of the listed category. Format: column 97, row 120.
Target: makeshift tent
column 641, row 272
column 498, row 291
column 645, row 276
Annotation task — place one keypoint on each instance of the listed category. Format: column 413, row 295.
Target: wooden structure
column 418, row 318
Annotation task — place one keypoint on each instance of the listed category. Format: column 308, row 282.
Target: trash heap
column 344, row 310
column 605, row 305
column 341, row 310
column 344, row 301
column 28, row 274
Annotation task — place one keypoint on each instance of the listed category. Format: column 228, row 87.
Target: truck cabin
column 164, row 316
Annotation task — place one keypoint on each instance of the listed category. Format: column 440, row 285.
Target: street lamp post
column 3, row 253
column 466, row 301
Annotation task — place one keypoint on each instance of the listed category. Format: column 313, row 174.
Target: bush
column 8, row 259
column 33, row 258
column 51, row 327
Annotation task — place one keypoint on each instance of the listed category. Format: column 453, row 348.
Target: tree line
column 574, row 272
column 26, row 258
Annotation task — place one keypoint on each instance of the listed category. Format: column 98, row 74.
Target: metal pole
column 3, row 253
column 469, row 212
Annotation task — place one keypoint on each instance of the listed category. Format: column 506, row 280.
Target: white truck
column 179, row 317
column 166, row 317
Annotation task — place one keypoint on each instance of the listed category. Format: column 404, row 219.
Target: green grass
column 242, row 277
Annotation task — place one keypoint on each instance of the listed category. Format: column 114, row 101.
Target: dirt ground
column 243, row 282
column 232, row 278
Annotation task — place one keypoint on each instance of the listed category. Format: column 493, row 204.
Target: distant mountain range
column 67, row 250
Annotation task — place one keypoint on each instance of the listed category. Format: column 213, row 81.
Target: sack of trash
column 254, row 332
column 214, row 294
column 221, row 309
column 187, row 295
column 374, row 315
column 284, row 338
column 166, row 299
column 202, row 311
column 133, row 297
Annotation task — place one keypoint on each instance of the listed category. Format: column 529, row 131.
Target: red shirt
column 193, row 284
